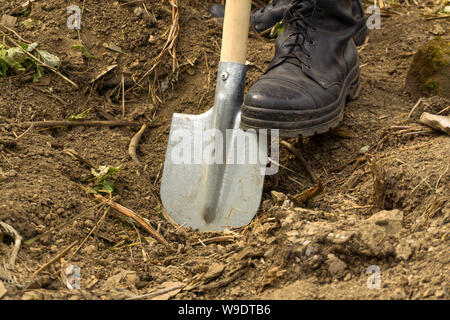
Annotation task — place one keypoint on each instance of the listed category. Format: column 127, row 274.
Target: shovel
column 211, row 180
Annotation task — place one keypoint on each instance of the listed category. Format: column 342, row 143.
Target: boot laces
column 272, row 5
column 298, row 15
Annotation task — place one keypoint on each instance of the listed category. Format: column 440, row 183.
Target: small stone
column 152, row 39
column 8, row 21
column 287, row 204
column 278, row 197
column 335, row 265
column 309, row 250
column 48, row 217
column 60, row 211
column 438, row 30
column 235, row 291
column 113, row 47
column 269, row 253
column 142, row 284
column 89, row 223
column 293, row 236
column 439, row 293
column 399, row 293
column 266, row 205
column 53, row 248
column 3, row 290
column 403, row 250
column 271, row 240
column 89, row 249
column 428, row 293
column 134, row 64
column 214, row 271
column 32, row 295
column 289, row 220
column 340, row 237
column 28, row 23
column 435, row 121
column 390, row 220
column 124, row 278
column 348, row 277
column 138, row 11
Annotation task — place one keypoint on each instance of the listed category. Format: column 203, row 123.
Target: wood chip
column 441, row 123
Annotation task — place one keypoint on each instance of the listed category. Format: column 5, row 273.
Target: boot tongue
column 304, row 8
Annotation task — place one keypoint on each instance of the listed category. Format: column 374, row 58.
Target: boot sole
column 350, row 91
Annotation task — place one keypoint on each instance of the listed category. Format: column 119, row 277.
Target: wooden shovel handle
column 235, row 31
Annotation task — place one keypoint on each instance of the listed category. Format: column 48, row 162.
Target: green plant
column 84, row 51
column 101, row 178
column 80, row 116
column 15, row 59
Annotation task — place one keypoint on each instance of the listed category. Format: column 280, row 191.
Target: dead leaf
column 214, row 271
column 308, row 194
column 178, row 286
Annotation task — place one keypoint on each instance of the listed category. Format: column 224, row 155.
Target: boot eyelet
column 311, row 42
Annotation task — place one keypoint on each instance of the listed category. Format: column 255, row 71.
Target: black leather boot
column 265, row 18
column 314, row 71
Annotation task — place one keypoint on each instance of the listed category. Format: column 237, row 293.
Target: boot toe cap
column 278, row 95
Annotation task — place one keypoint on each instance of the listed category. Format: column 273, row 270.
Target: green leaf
column 79, row 116
column 3, row 68
column 277, row 29
column 104, row 187
column 24, row 45
column 12, row 63
column 100, row 177
column 84, row 51
column 39, row 74
column 49, row 59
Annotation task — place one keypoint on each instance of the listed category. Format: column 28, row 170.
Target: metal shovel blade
column 213, row 176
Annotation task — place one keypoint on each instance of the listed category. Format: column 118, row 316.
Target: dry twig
column 169, row 46
column 55, row 258
column 112, row 123
column 130, row 214
column 134, row 144
column 300, row 157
